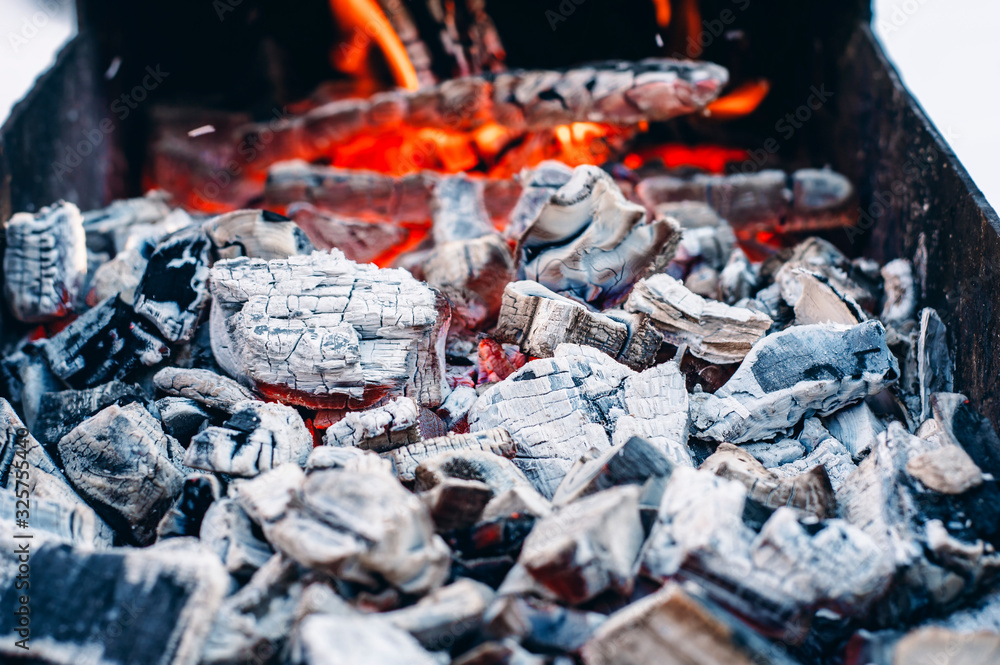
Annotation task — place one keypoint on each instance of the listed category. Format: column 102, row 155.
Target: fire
column 662, row 12
column 709, row 158
column 743, row 100
column 363, row 22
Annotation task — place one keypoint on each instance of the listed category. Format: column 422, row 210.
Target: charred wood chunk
column 538, row 320
column 339, row 640
column 472, row 273
column 456, row 405
column 738, row 279
column 776, row 453
column 558, row 408
column 258, row 437
column 706, row 238
column 27, row 376
column 857, row 427
column 827, row 452
column 182, row 418
column 61, row 411
column 260, row 234
column 810, row 492
column 112, row 229
column 174, row 288
column 681, row 622
column 445, row 616
column 227, row 530
column 121, row 275
column 355, row 459
column 405, row 460
column 119, row 460
column 712, row 330
column 590, row 243
column 935, row 368
column 507, row 652
column 107, row 343
column 630, row 463
column 587, row 547
column 814, row 299
column 357, row 526
column 457, row 503
column 199, row 491
column 458, row 210
column 801, row 371
column 380, row 429
column 152, row 606
column 45, row 262
column 360, row 240
column 961, row 425
column 539, row 184
column 325, row 332
column 203, row 386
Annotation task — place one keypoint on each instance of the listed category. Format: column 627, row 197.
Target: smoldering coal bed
column 489, row 348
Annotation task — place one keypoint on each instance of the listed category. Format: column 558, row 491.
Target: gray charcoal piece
column 360, row 240
column 199, row 492
column 227, row 530
column 181, row 417
column 209, row 389
column 372, row 640
column 632, row 462
column 59, row 412
column 446, row 615
column 406, row 459
column 258, row 234
column 173, row 291
column 380, row 428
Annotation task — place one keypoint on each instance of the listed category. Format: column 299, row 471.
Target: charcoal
column 322, row 331
column 961, row 425
column 820, row 257
column 472, row 274
column 738, row 279
column 539, row 184
column 259, row 234
column 360, row 240
column 900, row 293
column 814, row 299
column 182, row 418
column 54, row 521
column 406, row 459
column 707, row 238
column 107, row 343
column 173, row 291
column 59, row 412
column 442, row 618
column 119, row 460
column 350, row 524
column 198, row 493
column 458, row 210
column 677, row 626
column 456, row 405
column 121, row 275
column 810, row 492
column 258, row 437
column 538, row 320
column 804, row 370
column 45, row 262
column 381, row 428
column 507, row 652
column 541, row 624
column 632, row 462
column 352, row 459
column 711, row 330
column 777, row 453
column 152, row 606
column 589, row 243
column 456, row 503
column 112, row 228
column 347, row 640
column 28, row 378
column 226, row 530
column 207, row 388
column 557, row 408
column 935, row 368
column 769, row 200
column 827, row 452
column 588, row 546
column 703, row 280
column 857, row 427
column 929, row 644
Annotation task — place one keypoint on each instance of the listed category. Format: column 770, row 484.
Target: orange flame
column 362, row 22
column 741, row 101
column 662, row 12
column 709, row 158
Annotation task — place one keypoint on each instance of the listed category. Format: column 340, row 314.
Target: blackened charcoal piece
column 587, row 547
column 181, row 417
column 380, row 428
column 45, row 262
column 538, row 320
column 199, row 491
column 406, row 459
column 632, row 462
column 119, row 460
column 347, row 640
column 257, row 234
column 360, row 240
column 801, row 371
column 712, row 330
column 28, row 377
column 59, row 412
column 107, row 343
column 173, row 290
column 445, row 616
column 962, row 425
column 350, row 524
column 590, row 243
column 209, row 389
column 120, row 275
column 258, row 437
column 325, row 332
column 123, row 606
column 678, row 625
column 227, row 531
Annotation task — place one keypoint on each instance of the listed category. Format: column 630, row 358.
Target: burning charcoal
column 119, row 460
column 900, row 293
column 107, row 343
column 405, row 460
column 712, row 330
column 174, row 290
column 815, row 300
column 226, row 529
column 121, row 275
column 350, row 524
column 777, row 453
column 457, row 503
column 496, row 363
column 738, row 279
column 810, row 492
column 806, row 200
column 457, row 405
column 324, row 332
column 539, row 184
column 779, row 576
column 857, row 427
column 678, row 625
column 209, row 389
column 630, row 463
column 557, row 408
column 444, row 616
column 613, row 93
column 540, row 623
column 472, row 274
column 152, row 606
column 380, row 428
column 259, row 234
column 538, row 320
column 588, row 546
column 258, row 437
column 360, row 240
column 345, row 640
column 798, row 372
column 181, row 417
column 59, row 412
column 45, row 262
column 590, row 243
column 334, row 457
column 929, row 644
column 200, row 490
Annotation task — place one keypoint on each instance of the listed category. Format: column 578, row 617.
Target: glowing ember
column 743, row 100
column 709, row 158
